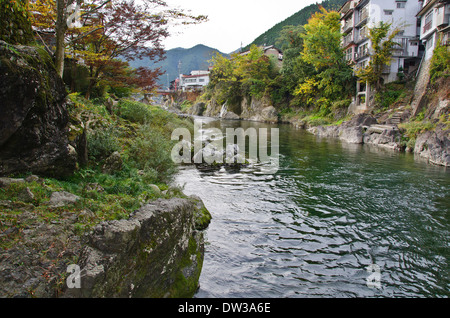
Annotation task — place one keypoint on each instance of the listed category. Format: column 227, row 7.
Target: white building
column 196, row 80
column 435, row 19
column 357, row 16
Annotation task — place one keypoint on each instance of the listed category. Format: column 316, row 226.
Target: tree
column 328, row 78
column 112, row 30
column 383, row 45
column 241, row 75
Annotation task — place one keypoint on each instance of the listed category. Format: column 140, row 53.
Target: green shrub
column 134, row 111
column 151, row 152
column 102, row 143
column 440, row 63
column 414, row 129
column 389, row 95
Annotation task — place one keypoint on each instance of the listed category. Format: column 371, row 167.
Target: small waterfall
column 224, row 110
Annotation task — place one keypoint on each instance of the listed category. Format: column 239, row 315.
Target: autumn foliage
column 108, row 34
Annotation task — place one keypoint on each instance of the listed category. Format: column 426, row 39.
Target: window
column 388, row 12
column 430, row 43
column 428, row 22
column 349, row 54
column 401, row 5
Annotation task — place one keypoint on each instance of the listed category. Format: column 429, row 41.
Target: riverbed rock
column 385, row 136
column 362, row 119
column 230, row 115
column 157, row 252
column 434, row 146
column 352, row 135
column 197, row 109
column 34, row 117
column 6, row 182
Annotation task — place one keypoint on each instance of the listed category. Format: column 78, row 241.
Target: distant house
column 270, row 51
column 435, row 19
column 195, row 81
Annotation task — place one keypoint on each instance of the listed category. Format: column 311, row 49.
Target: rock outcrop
column 254, row 109
column 386, row 136
column 434, row 146
column 157, row 252
column 34, row 118
column 352, row 131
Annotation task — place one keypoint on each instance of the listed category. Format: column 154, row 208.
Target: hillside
column 300, row 18
column 195, row 58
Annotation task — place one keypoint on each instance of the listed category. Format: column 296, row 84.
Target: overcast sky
column 230, row 21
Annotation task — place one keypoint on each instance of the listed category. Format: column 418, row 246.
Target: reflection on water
column 313, row 228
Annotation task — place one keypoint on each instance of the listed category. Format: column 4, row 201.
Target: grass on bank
column 139, row 132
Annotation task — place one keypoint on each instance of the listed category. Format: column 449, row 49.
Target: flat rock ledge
column 156, row 253
column 433, row 146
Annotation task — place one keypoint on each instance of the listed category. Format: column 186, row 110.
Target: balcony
column 347, row 26
column 443, row 21
column 363, row 15
column 361, row 37
column 362, row 54
column 427, row 27
column 348, row 40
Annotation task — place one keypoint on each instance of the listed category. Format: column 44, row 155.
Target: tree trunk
column 61, row 28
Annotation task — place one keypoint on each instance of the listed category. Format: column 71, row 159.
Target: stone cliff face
column 33, row 121
column 254, row 109
column 157, row 252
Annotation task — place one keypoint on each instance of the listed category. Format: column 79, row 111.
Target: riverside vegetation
column 85, row 168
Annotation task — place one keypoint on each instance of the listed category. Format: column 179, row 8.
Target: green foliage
column 383, row 45
column 15, row 22
column 440, row 63
column 151, row 152
column 389, row 95
column 243, row 75
column 413, row 129
column 134, row 111
column 102, row 143
column 325, row 77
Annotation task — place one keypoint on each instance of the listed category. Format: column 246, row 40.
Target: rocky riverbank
column 85, row 186
column 156, row 252
column 433, row 145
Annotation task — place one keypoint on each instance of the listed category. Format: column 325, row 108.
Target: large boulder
column 34, row 118
column 434, row 146
column 158, row 252
column 385, row 136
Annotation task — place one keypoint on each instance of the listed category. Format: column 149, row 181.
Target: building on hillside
column 357, row 16
column 197, row 80
column 270, row 51
column 434, row 27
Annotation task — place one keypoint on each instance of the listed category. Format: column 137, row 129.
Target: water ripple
column 312, row 229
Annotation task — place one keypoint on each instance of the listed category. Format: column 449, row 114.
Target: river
column 336, row 220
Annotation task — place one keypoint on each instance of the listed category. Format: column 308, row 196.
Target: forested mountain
column 182, row 61
column 300, row 18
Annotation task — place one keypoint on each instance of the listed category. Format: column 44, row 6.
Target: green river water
column 314, row 227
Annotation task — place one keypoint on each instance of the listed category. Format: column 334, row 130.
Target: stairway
column 396, row 118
